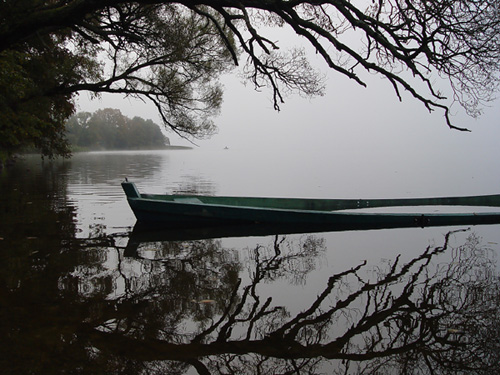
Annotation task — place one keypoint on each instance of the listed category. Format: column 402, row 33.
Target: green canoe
column 198, row 210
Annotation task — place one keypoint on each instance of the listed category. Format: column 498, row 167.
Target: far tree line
column 109, row 129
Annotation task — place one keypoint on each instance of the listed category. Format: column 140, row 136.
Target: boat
column 317, row 214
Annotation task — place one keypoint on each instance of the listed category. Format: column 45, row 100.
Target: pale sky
column 348, row 115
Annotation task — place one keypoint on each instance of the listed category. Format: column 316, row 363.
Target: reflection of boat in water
column 145, row 232
column 315, row 214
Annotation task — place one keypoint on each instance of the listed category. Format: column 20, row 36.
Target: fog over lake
column 353, row 137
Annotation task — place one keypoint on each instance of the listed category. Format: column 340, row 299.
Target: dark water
column 82, row 292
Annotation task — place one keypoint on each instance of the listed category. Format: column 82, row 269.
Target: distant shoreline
column 167, row 147
column 171, row 147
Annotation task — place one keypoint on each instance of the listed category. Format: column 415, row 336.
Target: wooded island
column 109, row 129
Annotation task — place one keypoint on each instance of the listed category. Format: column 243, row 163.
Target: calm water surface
column 82, row 291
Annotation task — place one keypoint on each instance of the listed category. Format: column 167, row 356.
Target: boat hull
column 174, row 213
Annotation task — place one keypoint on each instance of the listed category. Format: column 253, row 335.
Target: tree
column 159, row 52
column 109, row 129
column 171, row 53
column 28, row 116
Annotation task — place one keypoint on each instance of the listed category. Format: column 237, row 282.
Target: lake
column 82, row 292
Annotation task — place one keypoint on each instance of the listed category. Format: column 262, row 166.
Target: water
column 81, row 292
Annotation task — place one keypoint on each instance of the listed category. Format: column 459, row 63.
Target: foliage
column 28, row 118
column 162, row 53
column 109, row 129
column 172, row 53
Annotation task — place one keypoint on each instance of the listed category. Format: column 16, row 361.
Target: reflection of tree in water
column 81, row 306
column 37, row 225
column 437, row 323
column 166, row 287
column 415, row 317
column 292, row 263
column 194, row 184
